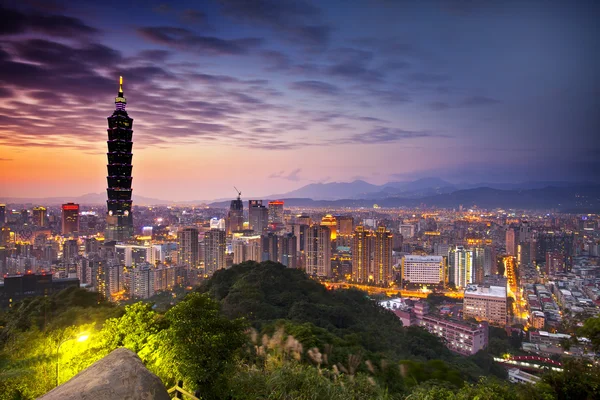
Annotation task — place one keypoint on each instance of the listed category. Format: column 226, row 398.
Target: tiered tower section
column 119, row 221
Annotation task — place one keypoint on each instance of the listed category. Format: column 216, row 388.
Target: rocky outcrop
column 119, row 375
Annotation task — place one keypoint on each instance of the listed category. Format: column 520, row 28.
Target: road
column 390, row 291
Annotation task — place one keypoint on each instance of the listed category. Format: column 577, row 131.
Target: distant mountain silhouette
column 331, row 191
column 419, row 188
column 581, row 198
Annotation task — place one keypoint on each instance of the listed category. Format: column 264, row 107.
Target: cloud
column 316, row 87
column 427, row 77
column 276, row 60
column 191, row 16
column 383, row 134
column 187, row 40
column 292, row 176
column 5, row 159
column 438, row 105
column 476, row 101
column 472, row 101
column 296, row 20
column 17, row 22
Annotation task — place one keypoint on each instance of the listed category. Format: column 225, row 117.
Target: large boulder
column 119, row 375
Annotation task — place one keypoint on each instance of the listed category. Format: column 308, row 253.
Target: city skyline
column 290, row 94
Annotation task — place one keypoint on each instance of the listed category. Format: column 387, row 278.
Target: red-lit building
column 276, row 212
column 70, row 218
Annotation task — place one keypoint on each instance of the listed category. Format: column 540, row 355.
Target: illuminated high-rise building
column 119, row 220
column 345, row 230
column 361, row 254
column 214, row 251
column 70, row 218
column 269, row 246
column 461, row 266
column 382, row 256
column 187, row 246
column 2, row 214
column 235, row 216
column 258, row 216
column 331, row 222
column 39, row 216
column 70, row 251
column 512, row 241
column 246, row 248
column 287, row 252
column 276, row 212
column 318, row 251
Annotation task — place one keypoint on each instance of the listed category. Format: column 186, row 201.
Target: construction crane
column 238, row 192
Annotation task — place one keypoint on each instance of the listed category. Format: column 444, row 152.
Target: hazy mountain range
column 430, row 192
column 413, row 189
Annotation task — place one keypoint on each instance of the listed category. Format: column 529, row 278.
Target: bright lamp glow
column 83, row 338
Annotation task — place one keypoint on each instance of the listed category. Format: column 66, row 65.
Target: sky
column 271, row 95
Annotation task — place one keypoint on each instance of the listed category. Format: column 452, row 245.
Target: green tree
column 133, row 328
column 203, row 344
column 579, row 380
column 591, row 330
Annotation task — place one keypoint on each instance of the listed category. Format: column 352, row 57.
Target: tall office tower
column 97, row 271
column 276, row 212
column 556, row 242
column 246, row 248
column 361, row 254
column 555, row 263
column 119, row 220
column 441, row 249
column 318, row 251
column 428, row 270
column 187, row 247
column 2, row 214
column 478, row 265
column 489, row 261
column 382, row 256
column 304, row 220
column 331, row 222
column 461, row 261
column 258, row 216
column 114, row 277
column 511, row 242
column 24, row 216
column 141, row 282
column 214, row 251
column 269, row 244
column 70, row 251
column 287, row 250
column 39, row 216
column 524, row 232
column 523, row 254
column 70, row 218
column 345, row 230
column 407, row 231
column 235, row 216
column 92, row 246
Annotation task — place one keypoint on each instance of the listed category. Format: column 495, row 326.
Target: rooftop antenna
column 238, row 192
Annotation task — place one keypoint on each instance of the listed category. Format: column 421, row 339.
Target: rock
column 119, row 375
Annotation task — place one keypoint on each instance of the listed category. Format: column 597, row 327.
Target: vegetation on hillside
column 260, row 331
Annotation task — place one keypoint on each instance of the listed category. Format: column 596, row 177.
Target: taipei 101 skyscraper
column 119, row 220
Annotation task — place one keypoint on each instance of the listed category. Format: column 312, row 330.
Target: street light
column 80, row 338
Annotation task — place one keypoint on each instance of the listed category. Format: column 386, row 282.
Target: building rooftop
column 485, row 291
column 436, row 259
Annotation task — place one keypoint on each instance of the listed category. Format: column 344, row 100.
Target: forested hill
column 270, row 295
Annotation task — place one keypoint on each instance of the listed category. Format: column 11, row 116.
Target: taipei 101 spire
column 119, row 220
